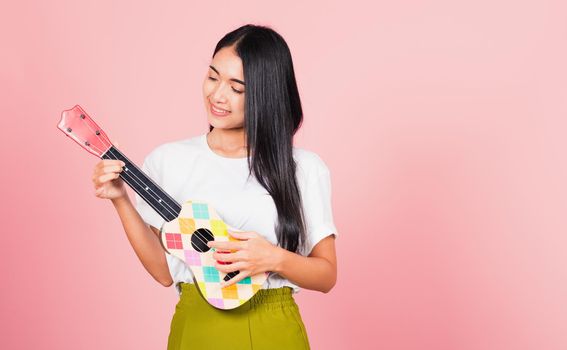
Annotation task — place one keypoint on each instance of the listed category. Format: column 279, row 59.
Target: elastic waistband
column 264, row 298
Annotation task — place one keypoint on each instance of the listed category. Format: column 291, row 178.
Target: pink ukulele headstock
column 77, row 124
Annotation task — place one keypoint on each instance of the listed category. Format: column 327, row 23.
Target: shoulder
column 175, row 149
column 309, row 162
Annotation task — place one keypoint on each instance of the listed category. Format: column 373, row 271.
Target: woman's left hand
column 252, row 255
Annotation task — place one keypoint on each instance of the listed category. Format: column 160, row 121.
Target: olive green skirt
column 269, row 320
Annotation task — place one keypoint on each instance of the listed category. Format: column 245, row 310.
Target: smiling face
column 223, row 90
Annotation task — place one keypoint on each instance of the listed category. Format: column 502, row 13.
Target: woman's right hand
column 106, row 179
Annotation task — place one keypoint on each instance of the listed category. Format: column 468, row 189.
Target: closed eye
column 233, row 89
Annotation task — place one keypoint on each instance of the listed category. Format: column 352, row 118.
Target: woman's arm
column 145, row 241
column 254, row 254
column 318, row 271
column 146, row 244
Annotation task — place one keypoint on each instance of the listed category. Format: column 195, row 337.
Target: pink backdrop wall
column 443, row 124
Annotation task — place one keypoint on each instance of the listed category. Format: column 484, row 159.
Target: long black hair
column 272, row 115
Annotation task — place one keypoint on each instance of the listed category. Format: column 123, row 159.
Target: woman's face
column 223, row 90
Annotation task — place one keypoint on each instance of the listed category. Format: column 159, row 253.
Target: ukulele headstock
column 79, row 126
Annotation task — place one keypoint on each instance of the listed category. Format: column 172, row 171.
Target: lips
column 219, row 111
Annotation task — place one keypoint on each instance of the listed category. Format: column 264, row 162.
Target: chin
column 220, row 125
column 224, row 124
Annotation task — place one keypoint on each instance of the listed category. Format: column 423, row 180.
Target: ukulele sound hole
column 200, row 238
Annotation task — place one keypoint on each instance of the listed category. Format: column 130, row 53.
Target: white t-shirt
column 189, row 169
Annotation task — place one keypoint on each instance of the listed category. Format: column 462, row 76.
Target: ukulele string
column 139, row 182
column 126, row 174
column 150, row 179
column 172, row 211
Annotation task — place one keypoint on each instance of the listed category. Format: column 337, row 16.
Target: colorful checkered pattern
column 176, row 237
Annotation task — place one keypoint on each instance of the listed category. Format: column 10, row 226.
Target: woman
column 247, row 168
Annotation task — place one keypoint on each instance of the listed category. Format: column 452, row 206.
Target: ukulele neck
column 154, row 195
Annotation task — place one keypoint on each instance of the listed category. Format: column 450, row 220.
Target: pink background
column 443, row 124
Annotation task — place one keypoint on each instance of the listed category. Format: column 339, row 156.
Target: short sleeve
column 318, row 209
column 148, row 214
column 177, row 267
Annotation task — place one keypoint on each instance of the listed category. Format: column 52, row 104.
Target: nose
column 219, row 93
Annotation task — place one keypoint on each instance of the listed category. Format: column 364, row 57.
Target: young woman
column 247, row 168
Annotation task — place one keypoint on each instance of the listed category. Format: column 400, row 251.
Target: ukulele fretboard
column 154, row 195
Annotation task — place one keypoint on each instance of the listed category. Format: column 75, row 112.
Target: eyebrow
column 232, row 79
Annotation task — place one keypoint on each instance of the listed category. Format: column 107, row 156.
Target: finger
column 230, row 267
column 106, row 162
column 242, row 275
column 242, row 235
column 112, row 168
column 225, row 245
column 222, row 257
column 107, row 177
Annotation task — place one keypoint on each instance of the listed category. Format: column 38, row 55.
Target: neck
column 230, row 141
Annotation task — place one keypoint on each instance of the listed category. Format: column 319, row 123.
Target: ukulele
column 187, row 228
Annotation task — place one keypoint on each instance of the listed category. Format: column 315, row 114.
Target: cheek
column 206, row 88
column 239, row 104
